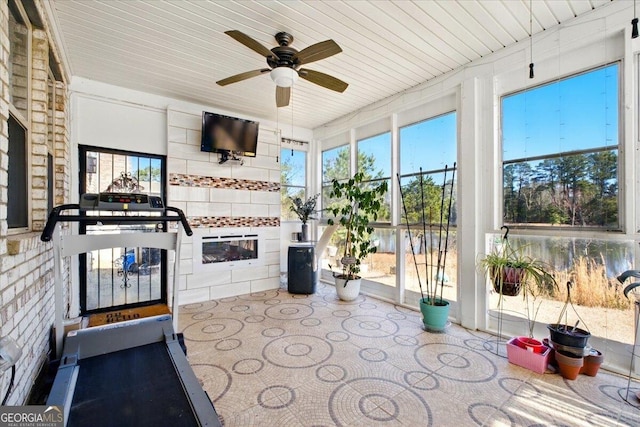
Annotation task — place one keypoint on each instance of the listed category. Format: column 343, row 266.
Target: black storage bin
column 303, row 270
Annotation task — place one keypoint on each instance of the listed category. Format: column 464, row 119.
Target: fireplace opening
column 227, row 251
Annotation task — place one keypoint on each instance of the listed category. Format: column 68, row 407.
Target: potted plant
column 512, row 271
column 357, row 207
column 509, row 269
column 305, row 211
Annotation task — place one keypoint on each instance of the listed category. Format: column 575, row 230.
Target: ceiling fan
column 284, row 64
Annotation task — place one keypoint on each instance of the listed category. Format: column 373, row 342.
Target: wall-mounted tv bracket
column 225, row 156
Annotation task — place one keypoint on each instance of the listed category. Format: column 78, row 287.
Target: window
column 432, row 146
column 118, row 277
column 560, row 152
column 335, row 165
column 17, row 205
column 292, row 180
column 18, row 131
column 374, row 160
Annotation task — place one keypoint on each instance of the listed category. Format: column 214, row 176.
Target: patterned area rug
column 277, row 359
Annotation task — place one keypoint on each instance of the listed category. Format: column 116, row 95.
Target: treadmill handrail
column 55, row 217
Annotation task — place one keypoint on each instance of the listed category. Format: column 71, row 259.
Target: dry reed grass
column 591, row 287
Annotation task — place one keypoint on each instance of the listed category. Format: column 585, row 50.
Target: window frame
column 543, row 229
column 25, row 122
column 303, row 187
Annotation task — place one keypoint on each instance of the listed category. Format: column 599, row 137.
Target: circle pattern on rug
column 405, row 340
column 332, row 298
column 519, row 388
column 229, row 299
column 259, row 296
column 254, row 319
column 341, row 313
column 247, row 366
column 372, row 355
column 378, row 407
column 480, row 412
column 213, row 329
column 455, row 362
column 331, row 373
column 337, row 336
column 273, row 332
column 318, row 304
column 297, row 351
column 310, row 322
column 396, row 316
column 217, row 380
column 203, row 315
column 288, row 311
column 272, row 302
column 376, row 399
column 276, row 397
column 228, row 344
column 421, row 380
column 368, row 306
column 239, row 308
column 370, row 326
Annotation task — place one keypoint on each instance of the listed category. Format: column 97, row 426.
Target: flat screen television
column 228, row 135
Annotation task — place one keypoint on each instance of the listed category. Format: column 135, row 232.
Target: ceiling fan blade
column 317, row 51
column 242, row 76
column 322, row 79
column 283, row 94
column 250, row 43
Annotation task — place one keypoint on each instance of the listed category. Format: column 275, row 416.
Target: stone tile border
column 186, row 180
column 226, row 221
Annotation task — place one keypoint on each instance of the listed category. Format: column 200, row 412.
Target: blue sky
column 297, row 162
column 572, row 114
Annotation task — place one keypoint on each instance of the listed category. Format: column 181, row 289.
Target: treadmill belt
column 133, row 387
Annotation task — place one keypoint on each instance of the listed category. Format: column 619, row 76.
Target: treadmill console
column 121, row 202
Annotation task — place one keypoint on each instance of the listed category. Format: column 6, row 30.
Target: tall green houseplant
column 359, row 204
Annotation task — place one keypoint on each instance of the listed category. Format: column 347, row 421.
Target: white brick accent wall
column 185, row 157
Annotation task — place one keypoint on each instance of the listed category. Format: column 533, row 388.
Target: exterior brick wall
column 26, row 264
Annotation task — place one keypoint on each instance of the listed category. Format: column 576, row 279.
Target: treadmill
column 131, row 373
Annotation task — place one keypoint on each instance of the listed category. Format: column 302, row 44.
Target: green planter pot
column 434, row 317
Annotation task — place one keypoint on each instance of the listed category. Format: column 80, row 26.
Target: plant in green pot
column 359, row 204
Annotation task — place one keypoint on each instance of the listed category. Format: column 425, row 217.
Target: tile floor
column 277, row 359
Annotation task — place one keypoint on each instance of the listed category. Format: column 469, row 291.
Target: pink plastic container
column 536, row 362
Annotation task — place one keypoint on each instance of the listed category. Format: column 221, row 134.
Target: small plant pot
column 347, row 290
column 530, row 344
column 507, row 281
column 566, row 335
column 434, row 316
column 569, row 366
column 592, row 363
column 536, row 362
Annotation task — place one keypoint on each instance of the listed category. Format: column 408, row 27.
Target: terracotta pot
column 592, row 363
column 569, row 366
column 531, row 344
column 510, row 278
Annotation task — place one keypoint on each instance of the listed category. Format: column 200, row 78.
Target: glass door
column 128, row 276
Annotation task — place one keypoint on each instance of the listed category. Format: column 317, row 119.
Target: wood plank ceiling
column 178, row 48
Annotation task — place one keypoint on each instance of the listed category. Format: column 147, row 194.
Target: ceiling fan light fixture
column 284, row 76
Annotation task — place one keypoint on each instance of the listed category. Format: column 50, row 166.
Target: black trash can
column 302, row 269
